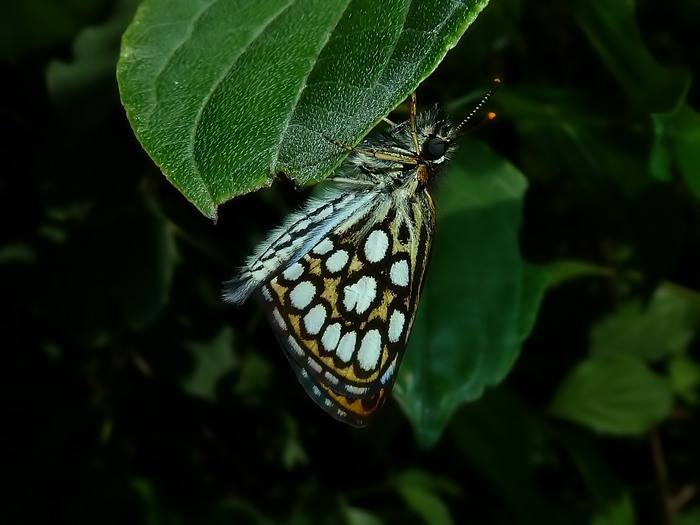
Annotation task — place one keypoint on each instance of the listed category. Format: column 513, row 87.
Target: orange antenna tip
column 491, row 115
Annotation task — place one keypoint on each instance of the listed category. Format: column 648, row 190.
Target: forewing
column 296, row 236
column 344, row 310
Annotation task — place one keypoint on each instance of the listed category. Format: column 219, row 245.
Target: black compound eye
column 435, row 148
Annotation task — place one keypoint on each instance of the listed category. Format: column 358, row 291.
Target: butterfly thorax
column 397, row 158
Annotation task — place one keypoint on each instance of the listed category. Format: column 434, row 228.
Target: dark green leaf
column 481, row 298
column 224, row 95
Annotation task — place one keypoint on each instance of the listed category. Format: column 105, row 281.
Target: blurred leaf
column 95, row 52
column 621, row 513
column 480, row 299
column 212, row 361
column 571, row 133
column 149, row 257
column 120, row 263
column 563, row 270
column 689, row 516
column 17, row 253
column 613, row 394
column 612, row 30
column 32, row 24
column 357, row 516
column 419, row 490
column 664, row 326
column 255, row 374
column 684, row 377
column 318, row 506
column 676, row 147
column 592, row 465
column 233, row 511
column 502, row 441
column 293, row 452
column 220, row 109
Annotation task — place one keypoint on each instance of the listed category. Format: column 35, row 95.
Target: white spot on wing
column 370, row 349
column 314, row 319
column 346, row 346
column 360, row 295
column 323, row 212
column 355, row 390
column 301, row 225
column 331, row 336
column 293, row 272
column 376, row 246
column 399, row 274
column 337, row 261
column 323, row 247
column 302, row 294
column 396, row 324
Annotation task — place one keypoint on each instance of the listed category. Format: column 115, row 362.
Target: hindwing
column 344, row 310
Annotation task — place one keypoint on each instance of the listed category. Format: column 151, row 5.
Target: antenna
column 491, row 115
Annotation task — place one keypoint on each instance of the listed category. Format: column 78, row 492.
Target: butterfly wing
column 343, row 311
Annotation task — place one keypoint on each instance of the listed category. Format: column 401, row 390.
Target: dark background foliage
column 132, row 395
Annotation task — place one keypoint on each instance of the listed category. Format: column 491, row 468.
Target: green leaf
column 212, row 361
column 224, row 95
column 614, row 394
column 666, row 325
column 480, row 299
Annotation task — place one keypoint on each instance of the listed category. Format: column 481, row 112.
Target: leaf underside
column 225, row 96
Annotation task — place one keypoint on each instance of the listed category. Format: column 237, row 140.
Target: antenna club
column 491, row 115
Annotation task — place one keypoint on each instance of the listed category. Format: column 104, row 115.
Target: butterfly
column 342, row 277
